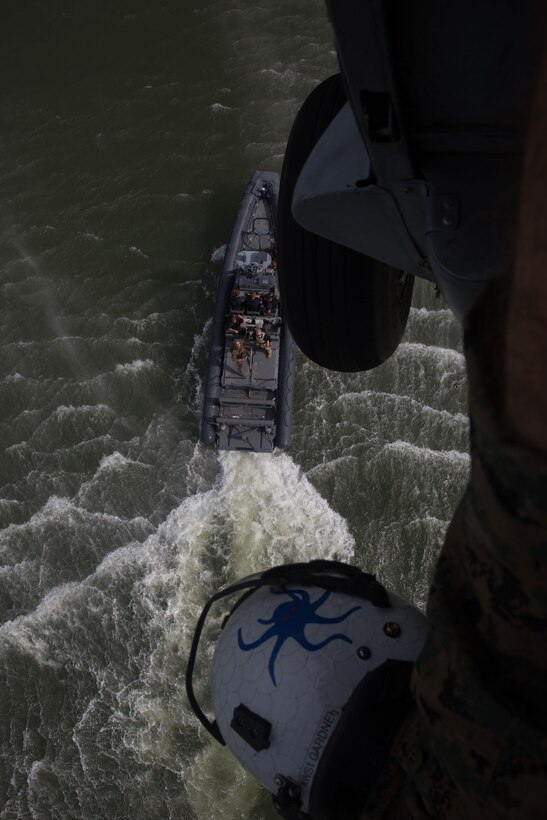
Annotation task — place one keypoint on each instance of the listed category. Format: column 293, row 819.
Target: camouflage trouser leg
column 480, row 683
column 478, row 747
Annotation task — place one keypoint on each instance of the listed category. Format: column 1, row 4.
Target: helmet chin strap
column 331, row 575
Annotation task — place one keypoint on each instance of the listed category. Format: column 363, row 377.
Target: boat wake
column 120, row 637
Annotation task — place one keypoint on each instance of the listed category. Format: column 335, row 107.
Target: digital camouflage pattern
column 476, row 747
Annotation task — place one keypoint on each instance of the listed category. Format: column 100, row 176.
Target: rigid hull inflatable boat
column 250, row 373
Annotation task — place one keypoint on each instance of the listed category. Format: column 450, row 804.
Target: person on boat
column 239, row 355
column 253, row 303
column 270, row 303
column 235, row 324
column 263, row 341
column 237, row 301
column 472, row 742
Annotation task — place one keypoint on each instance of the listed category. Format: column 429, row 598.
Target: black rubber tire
column 345, row 310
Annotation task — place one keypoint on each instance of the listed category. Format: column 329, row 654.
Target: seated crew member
column 253, row 303
column 263, row 341
column 239, row 355
column 270, row 303
column 237, row 301
column 235, row 324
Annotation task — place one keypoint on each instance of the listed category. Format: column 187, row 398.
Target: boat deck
column 241, row 410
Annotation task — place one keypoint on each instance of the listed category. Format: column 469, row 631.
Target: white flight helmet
column 310, row 683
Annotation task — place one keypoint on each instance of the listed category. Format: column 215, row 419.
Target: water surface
column 129, row 132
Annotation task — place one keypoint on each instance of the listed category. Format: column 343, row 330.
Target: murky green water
column 129, row 132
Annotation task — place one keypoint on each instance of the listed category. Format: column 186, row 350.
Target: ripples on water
column 129, row 134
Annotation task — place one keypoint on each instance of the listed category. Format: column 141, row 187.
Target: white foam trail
column 286, row 518
column 261, row 511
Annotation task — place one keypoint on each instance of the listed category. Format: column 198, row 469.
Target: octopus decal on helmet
column 289, row 621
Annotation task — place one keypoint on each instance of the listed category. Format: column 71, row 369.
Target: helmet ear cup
column 361, row 742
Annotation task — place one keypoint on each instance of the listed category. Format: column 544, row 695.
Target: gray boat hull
column 248, row 406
